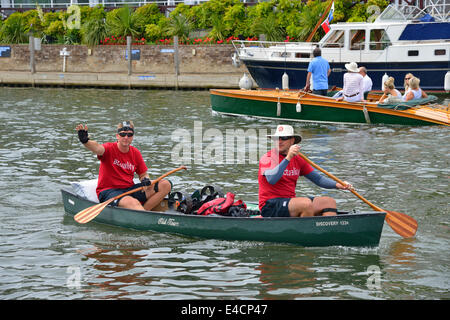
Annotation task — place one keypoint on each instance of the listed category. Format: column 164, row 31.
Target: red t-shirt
column 117, row 168
column 285, row 187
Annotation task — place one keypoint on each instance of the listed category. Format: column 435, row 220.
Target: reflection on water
column 405, row 169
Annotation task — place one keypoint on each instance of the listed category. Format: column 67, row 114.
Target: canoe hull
column 356, row 229
column 264, row 104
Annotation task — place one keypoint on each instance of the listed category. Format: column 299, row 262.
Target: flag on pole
column 330, row 15
column 325, row 26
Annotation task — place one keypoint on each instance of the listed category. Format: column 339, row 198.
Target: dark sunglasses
column 128, row 134
column 284, row 138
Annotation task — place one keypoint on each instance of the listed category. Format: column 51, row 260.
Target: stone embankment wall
column 204, row 66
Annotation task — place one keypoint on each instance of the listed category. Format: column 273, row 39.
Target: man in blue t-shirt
column 319, row 69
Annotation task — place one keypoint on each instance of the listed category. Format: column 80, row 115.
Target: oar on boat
column 401, row 223
column 90, row 213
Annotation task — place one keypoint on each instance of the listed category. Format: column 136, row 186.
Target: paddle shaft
column 90, row 213
column 341, row 182
column 153, row 182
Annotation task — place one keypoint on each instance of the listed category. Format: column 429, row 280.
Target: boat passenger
column 414, row 92
column 279, row 170
column 119, row 161
column 390, row 94
column 319, row 69
column 353, row 84
column 367, row 81
column 408, row 76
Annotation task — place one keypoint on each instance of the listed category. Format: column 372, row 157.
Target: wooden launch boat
column 345, row 229
column 303, row 106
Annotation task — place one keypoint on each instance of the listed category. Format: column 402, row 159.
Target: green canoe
column 346, row 229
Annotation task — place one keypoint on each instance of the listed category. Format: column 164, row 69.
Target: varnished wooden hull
column 273, row 104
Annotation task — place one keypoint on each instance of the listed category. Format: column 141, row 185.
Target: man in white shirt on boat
column 367, row 82
column 353, row 89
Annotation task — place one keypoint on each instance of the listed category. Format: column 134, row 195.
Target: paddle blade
column 401, row 223
column 90, row 213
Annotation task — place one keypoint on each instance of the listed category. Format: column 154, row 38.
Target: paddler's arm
column 325, row 182
column 91, row 145
column 273, row 175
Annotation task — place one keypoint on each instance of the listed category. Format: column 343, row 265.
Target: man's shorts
column 276, row 207
column 111, row 193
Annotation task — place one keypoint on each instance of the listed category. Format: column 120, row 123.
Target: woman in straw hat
column 353, row 90
column 279, row 170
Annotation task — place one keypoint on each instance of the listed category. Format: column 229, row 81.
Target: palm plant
column 269, row 27
column 124, row 23
column 308, row 20
column 179, row 26
column 93, row 31
column 14, row 29
column 219, row 30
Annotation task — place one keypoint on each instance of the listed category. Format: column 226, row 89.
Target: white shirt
column 417, row 94
column 367, row 83
column 353, row 87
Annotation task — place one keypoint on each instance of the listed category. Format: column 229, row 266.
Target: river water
column 44, row 254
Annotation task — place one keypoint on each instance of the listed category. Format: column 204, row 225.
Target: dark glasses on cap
column 128, row 134
column 284, row 138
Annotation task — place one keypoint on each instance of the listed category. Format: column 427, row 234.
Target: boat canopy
column 426, row 31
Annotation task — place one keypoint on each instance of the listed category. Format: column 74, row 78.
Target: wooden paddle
column 90, row 213
column 401, row 223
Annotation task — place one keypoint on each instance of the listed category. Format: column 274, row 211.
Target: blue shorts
column 277, row 207
column 111, row 193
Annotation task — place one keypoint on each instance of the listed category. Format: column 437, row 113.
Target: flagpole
column 320, row 20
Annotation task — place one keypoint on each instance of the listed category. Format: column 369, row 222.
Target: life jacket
column 220, row 205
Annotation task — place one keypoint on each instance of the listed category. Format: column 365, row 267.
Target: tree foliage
column 218, row 18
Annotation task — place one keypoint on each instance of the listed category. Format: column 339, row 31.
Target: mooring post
column 176, row 60
column 32, row 64
column 129, row 54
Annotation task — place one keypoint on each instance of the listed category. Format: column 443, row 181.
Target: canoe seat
column 86, row 189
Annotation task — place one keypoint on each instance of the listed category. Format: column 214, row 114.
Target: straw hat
column 352, row 67
column 285, row 130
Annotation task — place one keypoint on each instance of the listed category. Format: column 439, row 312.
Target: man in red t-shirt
column 279, row 170
column 118, row 163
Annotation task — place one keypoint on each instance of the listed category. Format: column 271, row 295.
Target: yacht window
column 413, row 53
column 379, row 39
column 281, row 54
column 302, row 55
column 439, row 52
column 357, row 39
column 335, row 40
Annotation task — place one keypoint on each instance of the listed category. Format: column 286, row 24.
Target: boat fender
column 235, row 60
column 383, row 80
column 278, row 107
column 447, row 82
column 285, row 81
column 245, row 83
